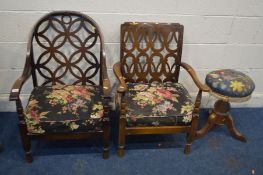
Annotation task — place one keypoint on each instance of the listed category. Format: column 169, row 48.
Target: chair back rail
column 151, row 52
column 66, row 48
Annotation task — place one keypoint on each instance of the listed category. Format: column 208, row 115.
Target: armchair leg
column 122, row 125
column 26, row 143
column 106, row 131
column 121, row 141
column 188, row 145
column 191, row 135
column 120, row 151
column 105, row 154
column 106, row 141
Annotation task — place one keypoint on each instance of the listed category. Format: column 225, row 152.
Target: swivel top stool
column 227, row 86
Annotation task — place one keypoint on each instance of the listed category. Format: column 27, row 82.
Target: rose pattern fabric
column 64, row 108
column 230, row 83
column 158, row 104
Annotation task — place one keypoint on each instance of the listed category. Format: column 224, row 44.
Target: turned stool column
column 228, row 86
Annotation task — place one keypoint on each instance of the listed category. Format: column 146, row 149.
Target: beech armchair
column 71, row 90
column 150, row 99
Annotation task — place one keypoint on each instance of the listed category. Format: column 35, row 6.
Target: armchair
column 151, row 101
column 71, row 90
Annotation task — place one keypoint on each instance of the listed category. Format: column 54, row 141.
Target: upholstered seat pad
column 230, row 83
column 166, row 104
column 64, row 108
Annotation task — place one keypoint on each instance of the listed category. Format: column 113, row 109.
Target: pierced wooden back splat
column 66, row 48
column 151, row 52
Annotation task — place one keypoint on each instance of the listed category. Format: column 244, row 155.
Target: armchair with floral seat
column 71, row 90
column 149, row 98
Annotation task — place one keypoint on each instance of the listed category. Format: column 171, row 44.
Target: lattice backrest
column 151, row 52
column 67, row 48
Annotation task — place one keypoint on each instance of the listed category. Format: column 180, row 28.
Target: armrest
column 192, row 73
column 106, row 87
column 105, row 79
column 122, row 85
column 16, row 88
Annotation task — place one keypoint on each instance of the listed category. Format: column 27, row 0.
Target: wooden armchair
column 151, row 101
column 70, row 99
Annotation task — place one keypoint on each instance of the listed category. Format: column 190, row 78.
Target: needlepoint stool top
column 230, row 83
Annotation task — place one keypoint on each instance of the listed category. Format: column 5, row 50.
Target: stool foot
column 230, row 126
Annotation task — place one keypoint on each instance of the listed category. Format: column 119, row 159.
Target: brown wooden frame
column 135, row 32
column 30, row 69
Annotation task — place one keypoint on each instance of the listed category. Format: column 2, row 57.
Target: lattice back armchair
column 151, row 101
column 70, row 100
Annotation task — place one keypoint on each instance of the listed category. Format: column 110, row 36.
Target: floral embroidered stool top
column 165, row 104
column 64, row 108
column 230, row 83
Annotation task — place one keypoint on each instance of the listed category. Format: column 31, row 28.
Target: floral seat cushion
column 64, row 108
column 230, row 83
column 165, row 104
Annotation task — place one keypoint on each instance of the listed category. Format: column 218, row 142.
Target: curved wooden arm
column 117, row 70
column 105, row 79
column 16, row 88
column 192, row 73
column 106, row 87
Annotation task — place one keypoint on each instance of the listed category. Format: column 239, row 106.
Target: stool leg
column 230, row 126
column 221, row 116
column 222, row 110
column 208, row 125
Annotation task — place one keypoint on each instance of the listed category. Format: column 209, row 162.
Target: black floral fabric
column 158, row 104
column 64, row 108
column 230, row 83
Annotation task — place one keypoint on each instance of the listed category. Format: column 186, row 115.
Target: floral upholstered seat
column 230, row 83
column 166, row 104
column 64, row 108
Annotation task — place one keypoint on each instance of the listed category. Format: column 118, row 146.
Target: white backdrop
column 218, row 34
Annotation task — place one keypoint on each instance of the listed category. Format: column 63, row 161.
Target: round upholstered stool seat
column 230, row 83
column 228, row 86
